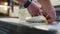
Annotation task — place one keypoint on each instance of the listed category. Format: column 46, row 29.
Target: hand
column 34, row 9
column 52, row 15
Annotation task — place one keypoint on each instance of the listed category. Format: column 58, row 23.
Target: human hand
column 34, row 9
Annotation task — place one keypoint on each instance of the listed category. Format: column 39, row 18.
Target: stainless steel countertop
column 35, row 25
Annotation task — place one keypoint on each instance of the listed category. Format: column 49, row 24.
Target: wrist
column 27, row 3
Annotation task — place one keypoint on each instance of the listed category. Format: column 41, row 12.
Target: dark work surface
column 21, row 29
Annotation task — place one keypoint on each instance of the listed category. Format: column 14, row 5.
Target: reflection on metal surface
column 6, row 3
column 3, row 8
column 43, row 28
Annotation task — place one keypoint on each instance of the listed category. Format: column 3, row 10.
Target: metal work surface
column 41, row 26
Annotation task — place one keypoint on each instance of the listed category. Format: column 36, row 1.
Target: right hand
column 34, row 9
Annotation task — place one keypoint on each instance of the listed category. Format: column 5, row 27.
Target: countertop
column 35, row 25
